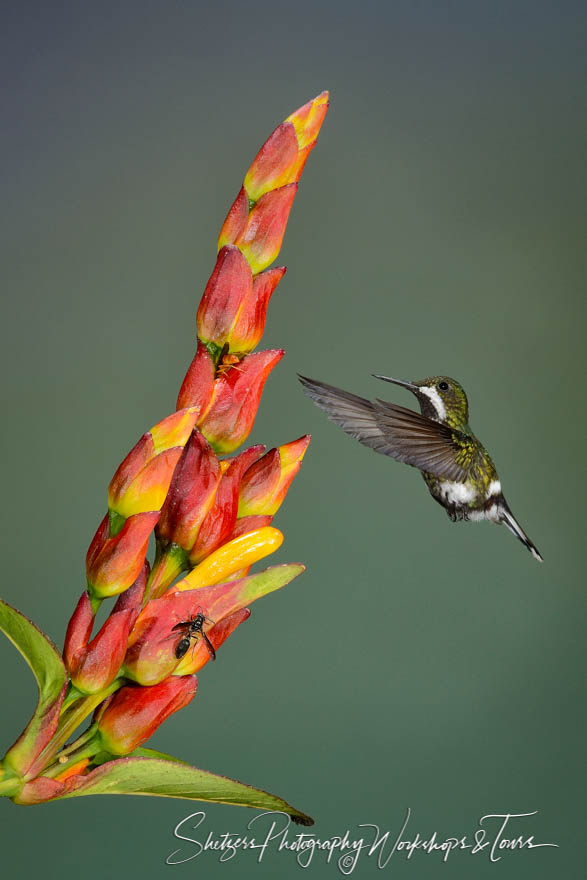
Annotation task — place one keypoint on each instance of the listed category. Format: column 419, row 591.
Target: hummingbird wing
column 425, row 443
column 352, row 413
column 393, row 430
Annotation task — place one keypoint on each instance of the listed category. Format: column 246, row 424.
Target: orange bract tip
column 175, row 429
column 308, row 120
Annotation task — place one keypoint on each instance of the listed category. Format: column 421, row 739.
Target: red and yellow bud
column 219, row 522
column 279, row 162
column 250, row 324
column 266, row 482
column 228, row 289
column 257, row 219
column 93, row 666
column 262, row 234
column 237, row 393
column 234, row 305
column 132, row 599
column 200, row 510
column 191, row 493
column 113, row 564
column 97, row 664
column 134, row 713
column 141, row 482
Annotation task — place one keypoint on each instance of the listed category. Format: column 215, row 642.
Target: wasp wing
column 209, row 645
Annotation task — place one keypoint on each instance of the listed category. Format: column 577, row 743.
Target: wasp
column 193, row 629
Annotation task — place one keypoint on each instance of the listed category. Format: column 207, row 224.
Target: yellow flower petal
column 230, row 558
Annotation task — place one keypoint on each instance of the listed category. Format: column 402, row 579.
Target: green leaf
column 47, row 666
column 153, row 753
column 166, row 777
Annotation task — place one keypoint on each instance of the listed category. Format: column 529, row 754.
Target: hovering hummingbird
column 457, row 469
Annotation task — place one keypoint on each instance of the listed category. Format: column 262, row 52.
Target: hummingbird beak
column 403, row 382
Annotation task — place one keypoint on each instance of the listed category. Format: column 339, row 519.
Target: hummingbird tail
column 509, row 520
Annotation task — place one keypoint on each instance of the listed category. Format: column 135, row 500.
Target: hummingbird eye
column 442, row 386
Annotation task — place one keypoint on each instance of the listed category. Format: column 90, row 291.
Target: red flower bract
column 93, row 666
column 134, row 713
column 265, row 484
column 151, row 653
column 191, row 493
column 141, row 482
column 113, row 564
column 235, row 400
column 227, row 291
column 198, row 384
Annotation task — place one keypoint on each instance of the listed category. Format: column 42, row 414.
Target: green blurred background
column 438, row 229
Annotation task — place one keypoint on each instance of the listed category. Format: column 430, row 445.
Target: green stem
column 79, row 742
column 86, row 746
column 80, row 712
column 71, row 697
column 10, row 787
column 168, row 564
column 69, row 721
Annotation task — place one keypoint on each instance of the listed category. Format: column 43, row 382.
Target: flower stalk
column 211, row 517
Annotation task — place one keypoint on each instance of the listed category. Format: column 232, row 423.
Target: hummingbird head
column 440, row 397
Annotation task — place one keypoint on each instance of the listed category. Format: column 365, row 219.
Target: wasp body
column 193, row 630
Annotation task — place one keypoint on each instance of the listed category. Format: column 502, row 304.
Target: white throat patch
column 437, row 402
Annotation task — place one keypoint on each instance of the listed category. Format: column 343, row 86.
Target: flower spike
column 211, row 518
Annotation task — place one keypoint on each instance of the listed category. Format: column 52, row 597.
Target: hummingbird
column 456, row 467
